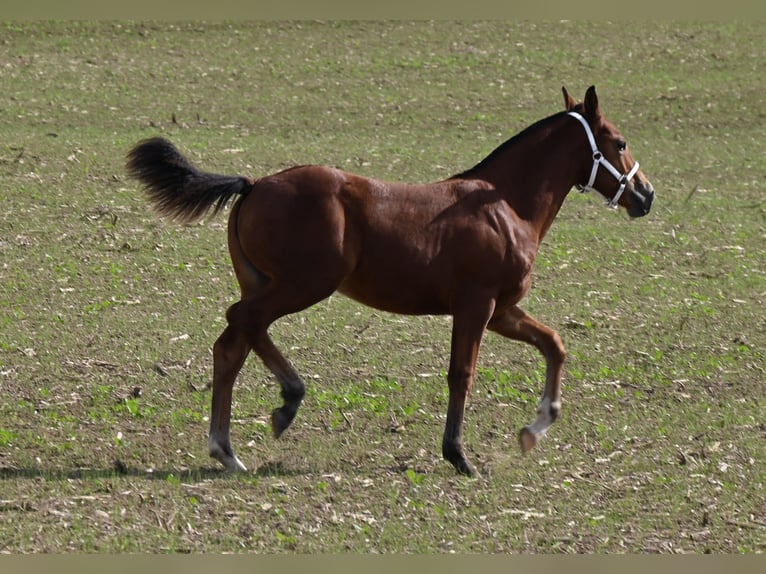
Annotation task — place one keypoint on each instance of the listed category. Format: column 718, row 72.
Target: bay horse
column 464, row 246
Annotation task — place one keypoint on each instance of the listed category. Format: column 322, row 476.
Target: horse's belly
column 395, row 294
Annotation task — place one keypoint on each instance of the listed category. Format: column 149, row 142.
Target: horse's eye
column 621, row 146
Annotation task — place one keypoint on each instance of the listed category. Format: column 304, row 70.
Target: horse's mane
column 503, row 148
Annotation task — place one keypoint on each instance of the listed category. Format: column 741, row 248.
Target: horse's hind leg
column 229, row 353
column 254, row 314
column 292, row 387
column 249, row 320
column 516, row 324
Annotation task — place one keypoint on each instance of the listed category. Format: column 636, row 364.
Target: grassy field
column 108, row 313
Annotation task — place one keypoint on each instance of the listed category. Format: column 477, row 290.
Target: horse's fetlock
column 293, row 395
column 554, row 410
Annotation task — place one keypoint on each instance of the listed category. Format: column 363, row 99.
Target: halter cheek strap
column 598, row 160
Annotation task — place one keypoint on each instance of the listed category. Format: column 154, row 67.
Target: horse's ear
column 591, row 106
column 569, row 101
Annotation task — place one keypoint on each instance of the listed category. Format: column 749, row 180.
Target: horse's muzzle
column 640, row 199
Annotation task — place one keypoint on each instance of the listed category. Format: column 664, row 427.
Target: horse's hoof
column 471, row 472
column 465, row 468
column 279, row 422
column 527, row 440
column 228, row 459
column 231, row 463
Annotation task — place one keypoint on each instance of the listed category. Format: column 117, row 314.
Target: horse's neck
column 535, row 174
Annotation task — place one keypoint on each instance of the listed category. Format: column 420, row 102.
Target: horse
column 464, row 246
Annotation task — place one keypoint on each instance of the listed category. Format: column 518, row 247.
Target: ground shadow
column 121, row 470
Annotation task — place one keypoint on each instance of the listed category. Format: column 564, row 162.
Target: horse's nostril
column 645, row 192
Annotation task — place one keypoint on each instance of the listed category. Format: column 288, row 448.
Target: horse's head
column 613, row 172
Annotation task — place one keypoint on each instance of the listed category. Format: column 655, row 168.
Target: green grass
column 108, row 314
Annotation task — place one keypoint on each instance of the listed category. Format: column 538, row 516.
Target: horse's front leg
column 516, row 324
column 468, row 326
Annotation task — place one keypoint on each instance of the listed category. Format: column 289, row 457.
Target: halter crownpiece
column 599, row 159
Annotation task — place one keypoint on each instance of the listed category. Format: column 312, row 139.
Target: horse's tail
column 176, row 188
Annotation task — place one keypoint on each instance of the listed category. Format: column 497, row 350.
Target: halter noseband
column 599, row 159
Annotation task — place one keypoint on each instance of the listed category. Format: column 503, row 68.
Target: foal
column 464, row 246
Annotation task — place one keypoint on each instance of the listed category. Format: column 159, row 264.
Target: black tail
column 177, row 189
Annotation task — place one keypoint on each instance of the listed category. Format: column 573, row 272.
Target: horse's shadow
column 120, row 470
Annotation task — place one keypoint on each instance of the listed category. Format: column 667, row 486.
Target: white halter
column 599, row 159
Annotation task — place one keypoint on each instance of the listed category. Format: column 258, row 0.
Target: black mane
column 503, row 147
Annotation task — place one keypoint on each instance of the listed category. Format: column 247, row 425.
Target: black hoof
column 466, row 468
column 456, row 457
column 281, row 419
